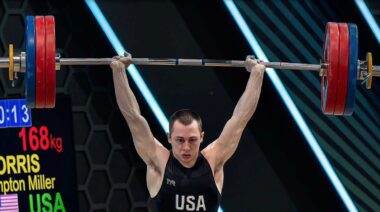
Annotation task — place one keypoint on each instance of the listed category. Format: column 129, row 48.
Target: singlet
column 187, row 189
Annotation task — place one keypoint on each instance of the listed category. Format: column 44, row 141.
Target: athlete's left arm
column 219, row 151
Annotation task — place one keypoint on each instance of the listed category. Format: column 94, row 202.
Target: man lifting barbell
column 183, row 179
column 186, row 178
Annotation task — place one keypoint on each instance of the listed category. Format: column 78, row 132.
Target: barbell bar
column 339, row 68
column 19, row 64
column 4, row 63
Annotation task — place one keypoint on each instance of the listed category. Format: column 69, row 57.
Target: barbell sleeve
column 4, row 62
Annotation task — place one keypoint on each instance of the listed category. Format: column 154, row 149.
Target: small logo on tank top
column 170, row 182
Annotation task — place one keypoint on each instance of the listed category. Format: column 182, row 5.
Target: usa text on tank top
column 187, row 189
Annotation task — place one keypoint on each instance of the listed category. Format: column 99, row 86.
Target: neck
column 187, row 164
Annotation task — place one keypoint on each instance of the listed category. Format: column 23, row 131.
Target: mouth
column 186, row 156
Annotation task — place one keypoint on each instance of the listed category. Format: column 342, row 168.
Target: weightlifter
column 185, row 178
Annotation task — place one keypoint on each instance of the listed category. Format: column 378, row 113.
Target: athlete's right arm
column 149, row 149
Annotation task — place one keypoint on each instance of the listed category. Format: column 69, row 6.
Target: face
column 185, row 141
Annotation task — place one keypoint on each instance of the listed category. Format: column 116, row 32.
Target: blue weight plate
column 30, row 82
column 353, row 70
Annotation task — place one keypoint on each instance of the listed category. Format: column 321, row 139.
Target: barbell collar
column 17, row 64
column 376, row 71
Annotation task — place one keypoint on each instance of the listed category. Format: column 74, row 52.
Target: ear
column 169, row 138
column 202, row 135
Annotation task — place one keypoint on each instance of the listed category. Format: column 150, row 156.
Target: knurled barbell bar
column 339, row 68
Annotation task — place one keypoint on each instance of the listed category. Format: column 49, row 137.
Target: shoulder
column 209, row 154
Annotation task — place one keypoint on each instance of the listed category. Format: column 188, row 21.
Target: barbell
column 339, row 67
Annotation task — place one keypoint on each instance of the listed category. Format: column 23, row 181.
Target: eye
column 180, row 141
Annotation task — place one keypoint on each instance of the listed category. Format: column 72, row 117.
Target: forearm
column 247, row 103
column 125, row 98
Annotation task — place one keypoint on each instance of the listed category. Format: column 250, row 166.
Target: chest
column 185, row 193
column 188, row 184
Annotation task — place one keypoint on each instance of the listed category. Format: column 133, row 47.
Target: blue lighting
column 291, row 106
column 132, row 70
column 369, row 18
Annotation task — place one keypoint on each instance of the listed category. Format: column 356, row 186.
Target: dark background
column 274, row 168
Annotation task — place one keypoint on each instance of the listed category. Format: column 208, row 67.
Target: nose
column 186, row 146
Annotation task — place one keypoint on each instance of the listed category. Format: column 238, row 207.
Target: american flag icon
column 9, row 203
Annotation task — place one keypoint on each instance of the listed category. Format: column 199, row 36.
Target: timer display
column 14, row 113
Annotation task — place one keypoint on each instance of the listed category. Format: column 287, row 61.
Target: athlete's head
column 185, row 135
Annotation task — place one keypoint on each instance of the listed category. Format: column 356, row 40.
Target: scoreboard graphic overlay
column 37, row 167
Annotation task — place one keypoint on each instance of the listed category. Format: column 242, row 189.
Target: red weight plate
column 50, row 79
column 331, row 58
column 40, row 61
column 344, row 56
